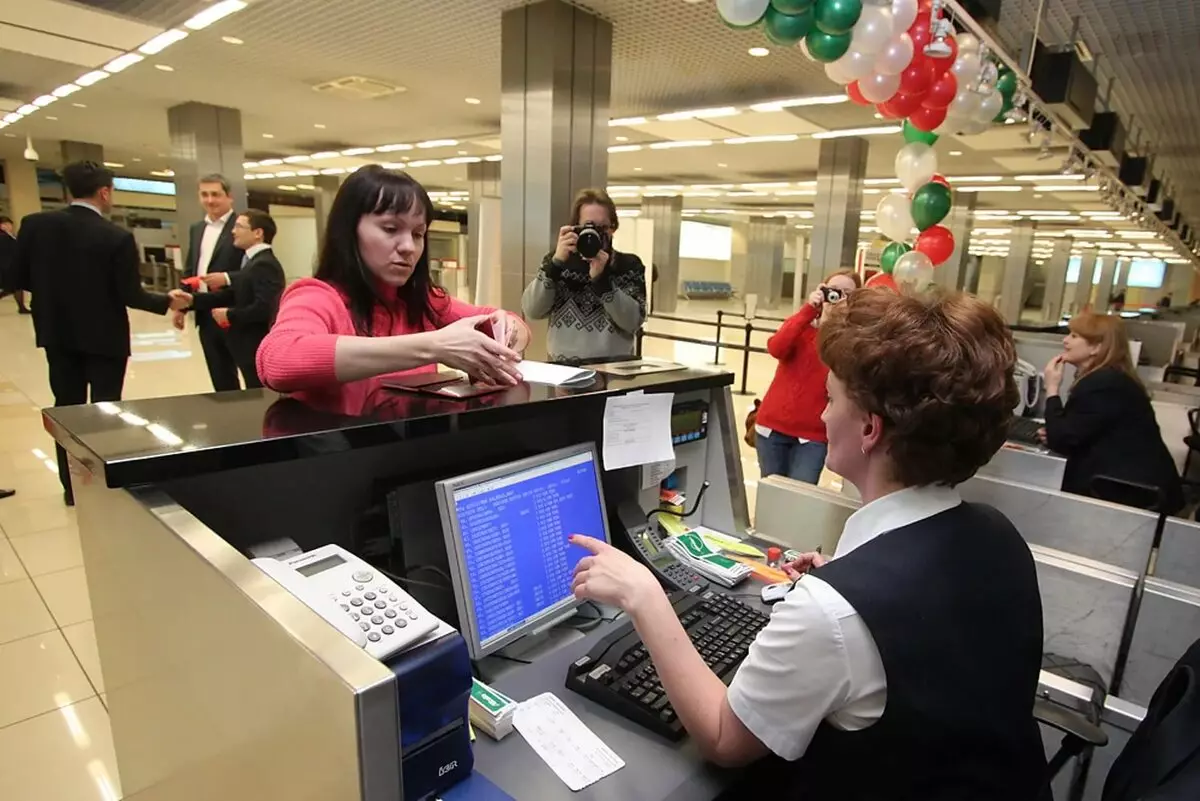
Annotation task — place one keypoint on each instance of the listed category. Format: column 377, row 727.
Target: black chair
column 1192, row 441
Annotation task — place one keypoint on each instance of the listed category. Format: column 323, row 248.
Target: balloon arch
column 905, row 58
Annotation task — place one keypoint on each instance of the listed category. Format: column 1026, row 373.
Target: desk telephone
column 648, row 547
column 354, row 598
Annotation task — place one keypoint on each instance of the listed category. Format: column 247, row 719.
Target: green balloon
column 1004, row 109
column 792, row 6
column 836, row 17
column 826, row 47
column 890, row 254
column 1006, row 84
column 914, row 134
column 787, row 28
column 930, row 205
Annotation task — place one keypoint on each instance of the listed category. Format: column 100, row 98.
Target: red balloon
column 901, row 105
column 885, row 109
column 937, row 243
column 943, row 63
column 918, row 77
column 883, row 280
column 919, row 32
column 856, row 95
column 938, row 178
column 926, row 6
column 926, row 118
column 942, row 92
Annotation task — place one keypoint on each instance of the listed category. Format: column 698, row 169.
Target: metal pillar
column 1016, row 272
column 838, row 205
column 24, row 196
column 483, row 232
column 801, row 290
column 764, row 262
column 1103, row 290
column 1122, row 281
column 1056, row 280
column 949, row 275
column 667, row 215
column 555, row 77
column 205, row 139
column 81, row 151
column 326, row 190
column 1083, row 285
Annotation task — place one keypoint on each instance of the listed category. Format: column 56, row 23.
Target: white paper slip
column 571, row 749
column 554, row 374
column 637, row 429
column 654, row 473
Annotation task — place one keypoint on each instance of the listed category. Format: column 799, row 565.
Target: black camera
column 832, row 295
column 591, row 240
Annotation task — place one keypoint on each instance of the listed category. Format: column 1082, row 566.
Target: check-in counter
column 1026, row 464
column 222, row 684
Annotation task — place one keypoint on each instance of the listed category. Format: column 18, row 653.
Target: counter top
column 144, row 441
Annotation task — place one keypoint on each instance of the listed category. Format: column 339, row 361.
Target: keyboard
column 618, row 673
column 1025, row 430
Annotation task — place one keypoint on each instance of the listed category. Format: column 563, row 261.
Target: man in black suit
column 8, row 264
column 211, row 250
column 244, row 302
column 83, row 272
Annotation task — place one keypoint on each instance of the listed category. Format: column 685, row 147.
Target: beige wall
column 703, row 270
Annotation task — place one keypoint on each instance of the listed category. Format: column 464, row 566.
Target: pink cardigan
column 298, row 353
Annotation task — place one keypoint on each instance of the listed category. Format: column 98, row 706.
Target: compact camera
column 591, row 240
column 832, row 295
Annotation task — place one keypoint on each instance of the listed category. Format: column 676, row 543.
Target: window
column 704, row 241
column 1073, row 270
column 1147, row 273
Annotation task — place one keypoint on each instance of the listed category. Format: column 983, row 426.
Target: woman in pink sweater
column 371, row 310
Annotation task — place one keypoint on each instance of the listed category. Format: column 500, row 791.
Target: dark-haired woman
column 371, row 310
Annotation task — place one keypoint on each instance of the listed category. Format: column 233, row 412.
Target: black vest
column 952, row 603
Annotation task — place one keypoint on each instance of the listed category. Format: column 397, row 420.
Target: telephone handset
column 1029, row 385
column 648, row 547
column 354, row 598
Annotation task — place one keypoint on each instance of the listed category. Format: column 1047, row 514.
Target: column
column 801, row 290
column 972, row 267
column 667, row 215
column 81, row 151
column 1180, row 286
column 1122, row 282
column 838, row 204
column 326, row 190
column 205, row 139
column 1016, row 271
column 1103, row 289
column 484, row 233
column 1083, row 286
column 764, row 260
column 24, row 196
column 739, row 254
column 1056, row 280
column 950, row 274
column 555, row 76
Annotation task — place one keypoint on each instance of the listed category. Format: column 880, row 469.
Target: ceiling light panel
column 213, row 13
column 121, row 62
column 162, row 41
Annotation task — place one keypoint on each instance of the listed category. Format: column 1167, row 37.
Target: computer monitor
column 506, row 531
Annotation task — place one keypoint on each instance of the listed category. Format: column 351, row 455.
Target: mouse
column 774, row 593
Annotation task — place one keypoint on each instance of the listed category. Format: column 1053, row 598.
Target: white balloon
column 742, row 13
column 967, row 42
column 873, row 30
column 856, row 64
column 916, row 163
column 951, row 125
column 904, row 13
column 966, row 69
column 991, row 105
column 965, row 105
column 834, row 72
column 893, row 217
column 976, row 126
column 895, row 56
column 913, row 270
column 878, row 88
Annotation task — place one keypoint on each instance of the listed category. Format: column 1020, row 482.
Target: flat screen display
column 1147, row 273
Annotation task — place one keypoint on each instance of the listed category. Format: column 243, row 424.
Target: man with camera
column 594, row 296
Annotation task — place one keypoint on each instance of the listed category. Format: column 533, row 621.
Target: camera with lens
column 832, row 295
column 591, row 240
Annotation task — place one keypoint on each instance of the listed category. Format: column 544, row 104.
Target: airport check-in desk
column 223, row 685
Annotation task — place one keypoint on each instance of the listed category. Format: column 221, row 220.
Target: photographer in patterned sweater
column 594, row 296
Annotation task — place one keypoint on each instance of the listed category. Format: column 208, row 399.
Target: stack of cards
column 491, row 711
column 691, row 549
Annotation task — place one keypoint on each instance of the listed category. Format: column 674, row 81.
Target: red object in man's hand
column 192, row 283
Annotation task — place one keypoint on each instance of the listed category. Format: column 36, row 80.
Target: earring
column 863, row 448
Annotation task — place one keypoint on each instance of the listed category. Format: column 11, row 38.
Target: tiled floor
column 54, row 730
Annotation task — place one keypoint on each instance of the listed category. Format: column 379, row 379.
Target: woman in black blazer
column 1107, row 427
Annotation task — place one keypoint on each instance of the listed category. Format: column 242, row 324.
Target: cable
column 415, row 582
column 687, row 513
column 518, row 660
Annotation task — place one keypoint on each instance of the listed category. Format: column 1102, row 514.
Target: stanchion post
column 746, row 359
column 717, row 348
column 641, row 333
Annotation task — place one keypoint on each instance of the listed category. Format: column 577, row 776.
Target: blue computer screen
column 514, row 537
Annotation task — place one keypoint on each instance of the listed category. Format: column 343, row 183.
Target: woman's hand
column 612, row 576
column 566, row 244
column 817, row 298
column 802, row 564
column 463, row 346
column 1054, row 374
column 518, row 332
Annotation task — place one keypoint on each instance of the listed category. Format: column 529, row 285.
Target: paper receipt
column 571, row 749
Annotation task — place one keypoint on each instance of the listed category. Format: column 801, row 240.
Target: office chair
column 1192, row 441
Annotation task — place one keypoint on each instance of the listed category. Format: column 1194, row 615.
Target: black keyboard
column 619, row 674
column 1025, row 430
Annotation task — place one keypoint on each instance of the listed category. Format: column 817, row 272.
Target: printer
column 433, row 682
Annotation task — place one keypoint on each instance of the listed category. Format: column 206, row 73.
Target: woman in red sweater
column 790, row 437
column 372, row 310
